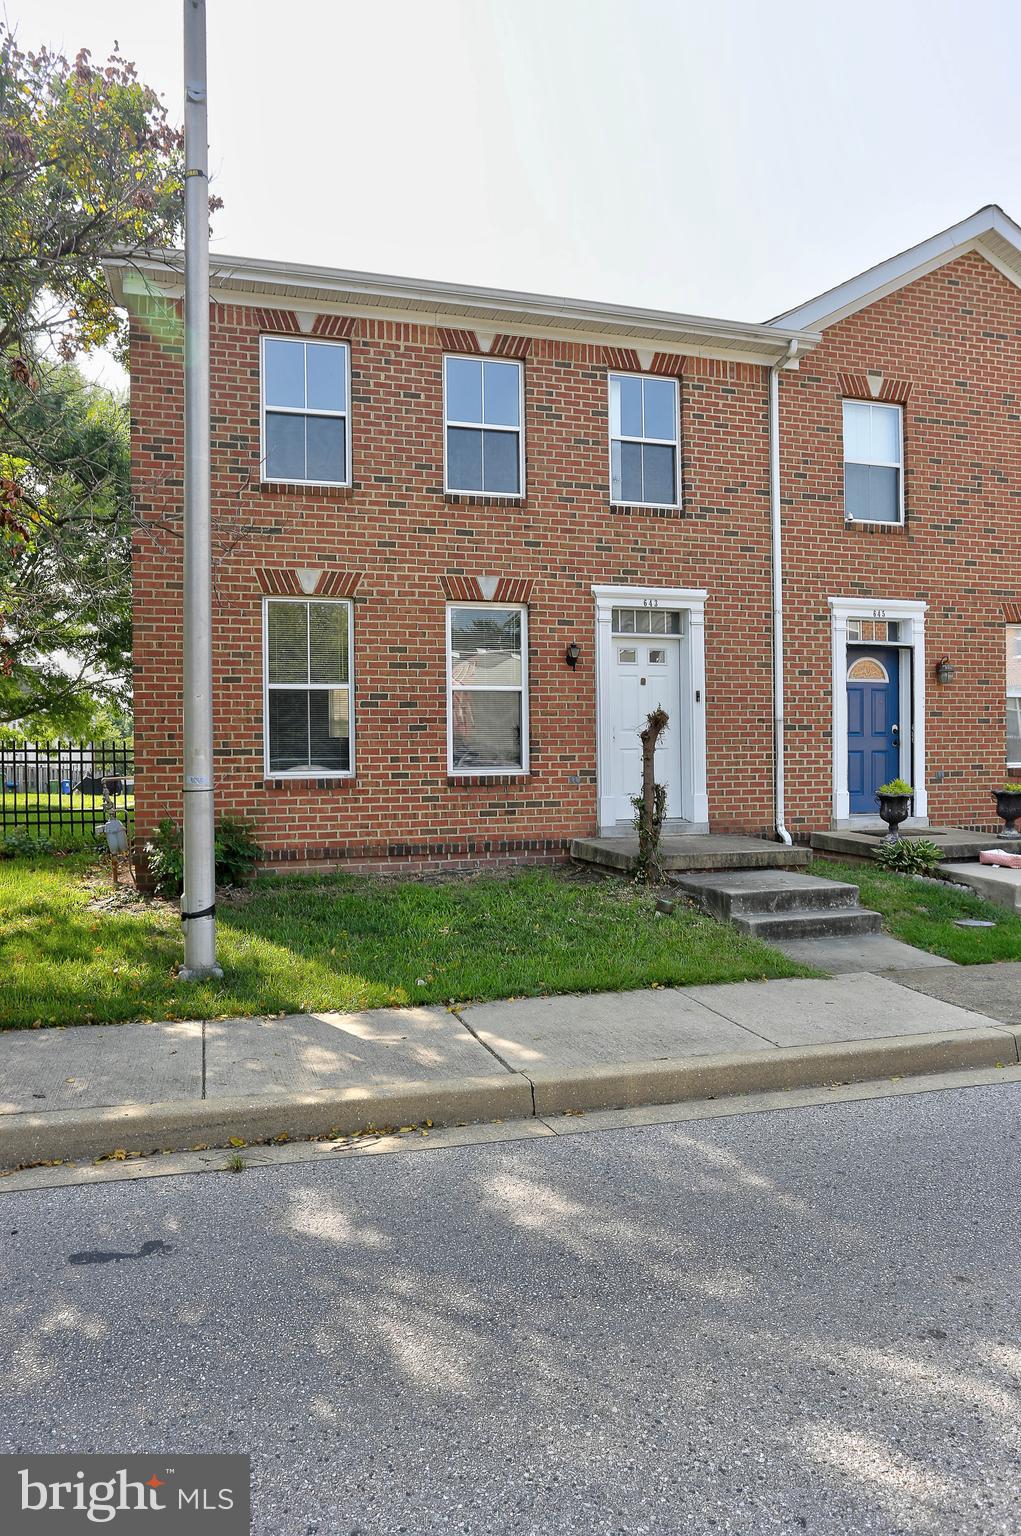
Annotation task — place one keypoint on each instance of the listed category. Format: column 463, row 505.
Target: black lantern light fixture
column 571, row 654
column 945, row 670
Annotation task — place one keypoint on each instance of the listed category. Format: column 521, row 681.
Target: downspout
column 776, row 554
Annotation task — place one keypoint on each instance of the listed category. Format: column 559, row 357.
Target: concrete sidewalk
column 83, row 1092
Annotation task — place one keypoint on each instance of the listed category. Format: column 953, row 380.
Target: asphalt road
column 801, row 1321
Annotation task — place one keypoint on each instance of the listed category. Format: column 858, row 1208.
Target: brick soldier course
column 945, row 345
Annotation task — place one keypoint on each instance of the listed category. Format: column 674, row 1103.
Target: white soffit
column 491, row 310
column 989, row 231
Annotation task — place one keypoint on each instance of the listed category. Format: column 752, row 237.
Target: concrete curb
column 633, row 1084
column 82, row 1133
column 74, row 1134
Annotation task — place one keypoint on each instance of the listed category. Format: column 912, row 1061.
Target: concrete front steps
column 778, row 905
column 816, row 922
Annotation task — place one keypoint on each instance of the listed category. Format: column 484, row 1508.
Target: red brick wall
column 952, row 340
column 397, row 527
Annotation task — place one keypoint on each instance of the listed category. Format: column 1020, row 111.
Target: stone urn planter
column 1008, row 808
column 894, row 806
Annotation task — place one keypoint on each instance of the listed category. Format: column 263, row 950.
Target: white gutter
column 454, row 304
column 776, row 556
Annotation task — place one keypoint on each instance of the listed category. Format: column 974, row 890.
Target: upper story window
column 1014, row 695
column 873, row 462
column 307, row 670
column 482, row 411
column 306, row 437
column 643, row 440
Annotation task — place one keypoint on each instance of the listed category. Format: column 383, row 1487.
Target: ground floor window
column 487, row 688
column 1014, row 695
column 308, row 715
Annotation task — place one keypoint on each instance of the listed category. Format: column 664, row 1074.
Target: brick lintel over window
column 855, row 386
column 300, row 322
column 334, row 327
column 307, row 582
column 468, row 589
column 484, row 342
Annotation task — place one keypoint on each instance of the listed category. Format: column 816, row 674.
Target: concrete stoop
column 955, row 843
column 678, row 851
column 992, row 881
column 781, row 904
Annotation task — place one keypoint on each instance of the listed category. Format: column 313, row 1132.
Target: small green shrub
column 237, row 853
column 910, row 856
column 1010, row 789
column 895, row 787
column 20, row 843
column 165, row 853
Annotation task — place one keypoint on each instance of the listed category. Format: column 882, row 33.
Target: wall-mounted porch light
column 571, row 655
column 945, row 670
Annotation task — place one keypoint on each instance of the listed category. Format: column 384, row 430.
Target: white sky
column 719, row 157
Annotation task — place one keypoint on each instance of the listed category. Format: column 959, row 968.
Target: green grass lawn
column 293, row 943
column 923, row 914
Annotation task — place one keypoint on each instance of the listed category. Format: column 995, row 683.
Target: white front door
column 645, row 674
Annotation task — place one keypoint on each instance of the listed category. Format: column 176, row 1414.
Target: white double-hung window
column 873, row 462
column 306, row 427
column 644, row 435
column 482, row 415
column 1014, row 696
column 487, row 688
column 309, row 725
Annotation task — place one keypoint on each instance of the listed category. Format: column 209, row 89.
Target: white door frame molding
column 691, row 704
column 912, row 637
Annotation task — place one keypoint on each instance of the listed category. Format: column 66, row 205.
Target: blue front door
column 873, row 724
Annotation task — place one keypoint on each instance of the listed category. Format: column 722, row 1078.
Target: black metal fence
column 55, row 788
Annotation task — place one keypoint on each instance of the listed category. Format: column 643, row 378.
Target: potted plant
column 1008, row 808
column 894, row 805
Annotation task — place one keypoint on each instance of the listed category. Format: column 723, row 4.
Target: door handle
column 896, row 731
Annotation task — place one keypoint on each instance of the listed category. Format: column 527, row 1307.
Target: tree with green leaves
column 66, row 584
column 89, row 162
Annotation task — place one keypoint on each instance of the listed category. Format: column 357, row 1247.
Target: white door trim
column 691, row 704
column 912, row 615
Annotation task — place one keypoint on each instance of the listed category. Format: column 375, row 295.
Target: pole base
column 200, row 973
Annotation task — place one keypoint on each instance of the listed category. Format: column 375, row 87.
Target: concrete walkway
column 841, row 955
column 993, row 990
column 84, row 1092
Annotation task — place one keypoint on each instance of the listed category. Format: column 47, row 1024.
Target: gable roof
column 989, row 231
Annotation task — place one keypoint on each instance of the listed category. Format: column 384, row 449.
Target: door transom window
column 647, row 621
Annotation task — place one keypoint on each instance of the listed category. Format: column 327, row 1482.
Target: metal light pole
column 198, row 904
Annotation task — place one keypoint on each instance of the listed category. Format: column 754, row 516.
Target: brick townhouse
column 466, row 539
